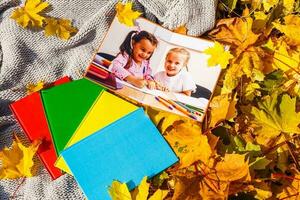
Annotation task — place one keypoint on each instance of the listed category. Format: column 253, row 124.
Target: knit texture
column 28, row 56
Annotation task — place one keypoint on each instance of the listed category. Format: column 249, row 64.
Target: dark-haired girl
column 132, row 63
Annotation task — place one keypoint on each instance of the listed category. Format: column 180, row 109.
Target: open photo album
column 156, row 67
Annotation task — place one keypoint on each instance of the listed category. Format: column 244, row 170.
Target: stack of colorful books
column 92, row 134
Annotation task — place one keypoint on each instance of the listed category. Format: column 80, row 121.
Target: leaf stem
column 291, row 152
column 279, row 145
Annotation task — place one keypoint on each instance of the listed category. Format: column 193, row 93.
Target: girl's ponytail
column 126, row 45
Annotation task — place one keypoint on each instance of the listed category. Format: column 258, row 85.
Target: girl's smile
column 142, row 50
column 174, row 63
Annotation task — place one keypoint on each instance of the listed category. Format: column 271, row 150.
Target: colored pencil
column 195, row 108
column 180, row 108
column 184, row 106
column 164, row 103
column 191, row 110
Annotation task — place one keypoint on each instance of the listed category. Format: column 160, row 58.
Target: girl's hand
column 161, row 87
column 140, row 83
column 188, row 92
column 151, row 84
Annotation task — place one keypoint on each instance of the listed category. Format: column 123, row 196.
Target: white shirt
column 182, row 81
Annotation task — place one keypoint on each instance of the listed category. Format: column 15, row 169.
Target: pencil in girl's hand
column 164, row 103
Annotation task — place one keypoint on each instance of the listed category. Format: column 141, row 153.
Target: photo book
column 156, row 67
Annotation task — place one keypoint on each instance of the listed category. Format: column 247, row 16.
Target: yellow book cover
column 106, row 109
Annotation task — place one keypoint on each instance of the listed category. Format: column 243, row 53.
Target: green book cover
column 65, row 107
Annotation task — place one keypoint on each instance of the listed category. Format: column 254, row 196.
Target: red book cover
column 29, row 112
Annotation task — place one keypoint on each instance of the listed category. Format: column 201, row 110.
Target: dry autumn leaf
column 232, row 168
column 293, row 84
column 61, row 28
column 119, row 191
column 29, row 15
column 181, row 29
column 285, row 60
column 216, row 180
column 267, row 5
column 159, row 195
column 164, row 120
column 290, row 29
column 224, row 177
column 260, row 22
column 292, row 190
column 222, row 108
column 17, row 161
column 237, row 32
column 248, row 56
column 187, row 188
column 273, row 117
column 189, row 144
column 143, row 189
column 288, row 6
column 218, row 55
column 31, row 88
column 125, row 13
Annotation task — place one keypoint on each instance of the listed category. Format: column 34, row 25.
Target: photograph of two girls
column 156, row 61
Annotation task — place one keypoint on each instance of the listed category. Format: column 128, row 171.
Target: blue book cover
column 126, row 150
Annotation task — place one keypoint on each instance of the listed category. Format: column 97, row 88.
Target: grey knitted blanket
column 28, row 57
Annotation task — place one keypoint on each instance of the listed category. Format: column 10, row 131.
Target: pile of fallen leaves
column 248, row 146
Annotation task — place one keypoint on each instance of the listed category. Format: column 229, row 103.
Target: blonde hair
column 182, row 51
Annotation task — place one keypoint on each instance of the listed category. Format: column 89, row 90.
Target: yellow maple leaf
column 29, row 15
column 251, row 91
column 31, row 88
column 61, row 28
column 268, row 4
column 143, row 189
column 288, row 6
column 285, row 60
column 181, row 29
column 17, row 161
column 164, row 120
column 222, row 108
column 218, row 55
column 230, row 81
column 219, row 181
column 187, row 188
column 119, row 191
column 248, row 56
column 290, row 29
column 232, row 168
column 249, row 63
column 293, row 84
column 216, row 181
column 125, row 13
column 189, row 144
column 159, row 194
column 260, row 22
column 273, row 117
column 235, row 31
